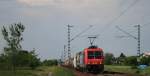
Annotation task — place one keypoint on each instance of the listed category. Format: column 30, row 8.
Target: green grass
column 127, row 69
column 146, row 71
column 40, row 71
column 59, row 71
column 17, row 73
column 124, row 69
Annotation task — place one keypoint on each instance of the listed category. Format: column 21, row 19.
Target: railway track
column 105, row 73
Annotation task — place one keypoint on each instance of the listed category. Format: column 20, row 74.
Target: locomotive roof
column 91, row 47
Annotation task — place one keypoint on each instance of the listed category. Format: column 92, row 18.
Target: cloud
column 35, row 2
column 66, row 3
column 34, row 14
column 86, row 10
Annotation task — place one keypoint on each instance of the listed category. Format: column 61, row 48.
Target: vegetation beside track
column 40, row 71
column 60, row 71
column 128, row 69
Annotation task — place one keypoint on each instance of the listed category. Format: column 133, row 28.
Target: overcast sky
column 46, row 24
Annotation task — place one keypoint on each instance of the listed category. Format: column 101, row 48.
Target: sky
column 46, row 24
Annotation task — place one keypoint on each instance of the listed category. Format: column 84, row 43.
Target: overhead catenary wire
column 81, row 32
column 146, row 24
column 116, row 18
column 126, row 32
column 138, row 38
column 109, row 23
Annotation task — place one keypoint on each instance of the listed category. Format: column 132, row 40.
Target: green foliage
column 28, row 59
column 131, row 70
column 122, row 55
column 121, row 59
column 13, row 55
column 145, row 60
column 134, row 67
column 13, row 38
column 23, row 58
column 4, row 63
column 34, row 61
column 50, row 62
column 132, row 60
column 60, row 71
column 109, row 58
column 40, row 71
column 122, row 69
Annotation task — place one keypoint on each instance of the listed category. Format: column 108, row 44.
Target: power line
column 116, row 18
column 126, row 32
column 137, row 38
column 81, row 32
column 146, row 24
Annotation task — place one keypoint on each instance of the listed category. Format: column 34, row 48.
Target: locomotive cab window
column 94, row 54
column 97, row 54
column 90, row 55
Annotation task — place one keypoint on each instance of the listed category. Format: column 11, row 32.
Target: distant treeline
column 126, row 60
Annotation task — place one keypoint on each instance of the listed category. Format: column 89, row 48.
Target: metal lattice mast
column 69, row 40
column 64, row 52
column 138, row 40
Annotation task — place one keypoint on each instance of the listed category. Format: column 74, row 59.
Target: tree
column 109, row 57
column 131, row 60
column 4, row 62
column 50, row 62
column 34, row 61
column 13, row 38
column 145, row 60
column 121, row 59
column 122, row 55
column 23, row 58
column 14, row 55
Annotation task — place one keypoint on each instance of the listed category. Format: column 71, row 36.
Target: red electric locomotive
column 90, row 59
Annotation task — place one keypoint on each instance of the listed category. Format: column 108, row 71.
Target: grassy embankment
column 128, row 69
column 41, row 71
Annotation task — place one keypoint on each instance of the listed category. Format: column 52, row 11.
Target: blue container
column 142, row 66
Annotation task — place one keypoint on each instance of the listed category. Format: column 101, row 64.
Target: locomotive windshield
column 94, row 54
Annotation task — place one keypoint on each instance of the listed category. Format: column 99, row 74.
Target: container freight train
column 90, row 60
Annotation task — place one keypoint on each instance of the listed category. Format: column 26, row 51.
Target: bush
column 132, row 61
column 134, row 67
column 49, row 62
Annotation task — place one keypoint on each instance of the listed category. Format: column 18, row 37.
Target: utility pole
column 137, row 38
column 69, row 40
